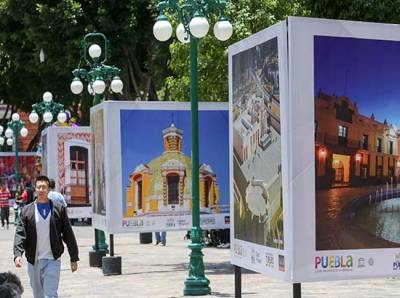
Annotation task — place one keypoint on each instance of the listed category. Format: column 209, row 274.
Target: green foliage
column 247, row 17
column 57, row 27
column 382, row 11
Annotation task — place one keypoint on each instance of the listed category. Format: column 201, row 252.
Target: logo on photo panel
column 239, row 250
column 396, row 263
column 365, row 262
column 269, row 260
column 335, row 263
column 255, row 257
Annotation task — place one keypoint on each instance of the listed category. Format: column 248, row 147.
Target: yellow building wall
column 216, row 202
column 146, row 184
column 372, row 165
column 130, row 200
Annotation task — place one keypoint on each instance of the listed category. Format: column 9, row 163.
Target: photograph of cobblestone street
column 357, row 143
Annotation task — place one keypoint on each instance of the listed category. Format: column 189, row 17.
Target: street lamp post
column 2, row 140
column 14, row 127
column 192, row 15
column 97, row 76
column 48, row 109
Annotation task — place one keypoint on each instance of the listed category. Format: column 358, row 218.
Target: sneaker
column 157, row 242
column 163, row 244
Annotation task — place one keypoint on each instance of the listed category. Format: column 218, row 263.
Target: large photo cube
column 143, row 166
column 314, row 126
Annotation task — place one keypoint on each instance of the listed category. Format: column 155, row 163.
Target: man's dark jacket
column 60, row 229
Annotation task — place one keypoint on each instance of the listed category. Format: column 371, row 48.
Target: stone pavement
column 157, row 271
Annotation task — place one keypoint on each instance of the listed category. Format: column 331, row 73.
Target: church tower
column 173, row 139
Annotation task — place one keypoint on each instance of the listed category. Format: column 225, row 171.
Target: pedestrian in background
column 43, row 225
column 55, row 195
column 4, row 206
column 161, row 237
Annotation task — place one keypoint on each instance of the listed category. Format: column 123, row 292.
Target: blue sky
column 367, row 71
column 142, row 141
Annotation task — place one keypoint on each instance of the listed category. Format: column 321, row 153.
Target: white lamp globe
column 223, row 29
column 99, row 86
column 76, row 86
column 10, row 141
column 94, row 51
column 9, row 132
column 61, row 117
column 47, row 117
column 199, row 26
column 1, row 129
column 181, row 34
column 1, row 141
column 15, row 117
column 47, row 97
column 90, row 89
column 162, row 29
column 117, row 85
column 33, row 117
column 23, row 132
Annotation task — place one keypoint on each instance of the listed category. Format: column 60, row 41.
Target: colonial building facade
column 351, row 148
column 164, row 184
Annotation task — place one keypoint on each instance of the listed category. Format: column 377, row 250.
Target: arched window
column 79, row 174
column 173, row 189
column 207, row 187
column 139, row 193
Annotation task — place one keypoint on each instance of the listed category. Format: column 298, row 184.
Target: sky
column 367, row 71
column 142, row 141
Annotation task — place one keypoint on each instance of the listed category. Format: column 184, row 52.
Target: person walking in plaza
column 4, row 206
column 161, row 237
column 42, row 227
column 55, row 195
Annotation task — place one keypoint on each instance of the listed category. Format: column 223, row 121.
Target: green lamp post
column 14, row 127
column 48, row 109
column 2, row 140
column 192, row 15
column 97, row 76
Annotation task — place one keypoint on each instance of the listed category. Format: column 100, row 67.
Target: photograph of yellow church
column 161, row 184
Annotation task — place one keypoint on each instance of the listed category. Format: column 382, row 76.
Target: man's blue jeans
column 44, row 277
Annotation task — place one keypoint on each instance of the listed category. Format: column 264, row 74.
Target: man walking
column 4, row 206
column 43, row 226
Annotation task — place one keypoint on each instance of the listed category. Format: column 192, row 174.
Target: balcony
column 335, row 140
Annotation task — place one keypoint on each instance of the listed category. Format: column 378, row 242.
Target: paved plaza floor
column 157, row 271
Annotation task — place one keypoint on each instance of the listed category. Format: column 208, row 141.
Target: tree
column 382, row 11
column 247, row 17
column 57, row 27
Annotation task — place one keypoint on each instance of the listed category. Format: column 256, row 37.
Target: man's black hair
column 10, row 285
column 43, row 178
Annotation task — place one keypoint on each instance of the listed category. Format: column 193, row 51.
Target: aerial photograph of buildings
column 258, row 210
column 357, row 142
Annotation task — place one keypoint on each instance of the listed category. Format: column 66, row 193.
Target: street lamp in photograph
column 48, row 109
column 193, row 18
column 15, row 127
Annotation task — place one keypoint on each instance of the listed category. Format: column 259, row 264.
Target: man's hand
column 18, row 262
column 74, row 266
